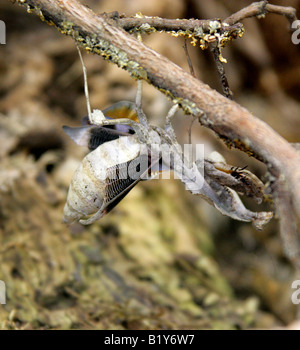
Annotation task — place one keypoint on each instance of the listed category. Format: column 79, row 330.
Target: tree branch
column 233, row 123
column 196, row 29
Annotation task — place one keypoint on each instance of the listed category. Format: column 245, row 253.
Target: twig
column 192, row 71
column 221, row 71
column 199, row 31
column 260, row 9
column 148, row 24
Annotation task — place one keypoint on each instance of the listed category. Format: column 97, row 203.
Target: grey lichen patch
column 144, row 28
column 216, row 33
column 190, row 107
column 109, row 52
column 214, row 26
column 67, row 25
column 187, row 106
column 241, row 145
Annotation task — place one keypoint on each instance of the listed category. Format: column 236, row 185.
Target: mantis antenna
column 86, row 89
